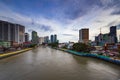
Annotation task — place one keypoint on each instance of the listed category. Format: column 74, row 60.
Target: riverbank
column 4, row 55
column 105, row 58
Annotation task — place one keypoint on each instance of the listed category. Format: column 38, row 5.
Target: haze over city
column 62, row 17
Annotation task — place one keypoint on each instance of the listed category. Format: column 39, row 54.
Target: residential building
column 12, row 32
column 55, row 38
column 35, row 38
column 52, row 39
column 113, row 34
column 84, row 35
column 26, row 37
column 107, row 38
column 41, row 40
column 102, row 39
column 5, row 44
column 46, row 39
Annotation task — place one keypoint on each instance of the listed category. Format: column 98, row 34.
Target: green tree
column 81, row 47
column 64, row 47
column 54, row 45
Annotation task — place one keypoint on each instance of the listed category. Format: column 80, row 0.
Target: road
column 45, row 63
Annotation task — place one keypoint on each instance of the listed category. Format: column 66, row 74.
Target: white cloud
column 96, row 18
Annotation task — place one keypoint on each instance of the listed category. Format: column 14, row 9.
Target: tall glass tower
column 113, row 34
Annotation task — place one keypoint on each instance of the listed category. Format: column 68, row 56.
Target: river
column 44, row 63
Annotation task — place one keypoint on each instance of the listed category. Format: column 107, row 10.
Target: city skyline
column 64, row 18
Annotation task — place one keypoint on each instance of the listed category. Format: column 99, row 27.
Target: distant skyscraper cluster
column 101, row 39
column 12, row 34
column 44, row 40
column 15, row 33
column 47, row 40
column 110, row 37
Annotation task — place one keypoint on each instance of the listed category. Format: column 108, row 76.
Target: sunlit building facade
column 84, row 35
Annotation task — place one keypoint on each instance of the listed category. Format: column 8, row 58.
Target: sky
column 63, row 17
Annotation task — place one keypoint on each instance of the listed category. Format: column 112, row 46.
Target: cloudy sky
column 62, row 17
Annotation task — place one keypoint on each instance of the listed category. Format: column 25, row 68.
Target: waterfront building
column 26, row 37
column 102, row 39
column 113, row 34
column 35, row 38
column 84, row 35
column 46, row 39
column 55, row 38
column 52, row 39
column 41, row 40
column 6, row 44
column 12, row 32
column 107, row 38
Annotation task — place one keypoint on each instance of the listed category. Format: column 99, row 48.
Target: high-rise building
column 21, row 33
column 12, row 32
column 35, row 38
column 113, row 34
column 26, row 37
column 41, row 40
column 113, row 31
column 54, row 38
column 51, row 38
column 84, row 35
column 46, row 39
column 107, row 38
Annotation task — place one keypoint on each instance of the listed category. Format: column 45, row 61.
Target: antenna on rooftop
column 100, row 30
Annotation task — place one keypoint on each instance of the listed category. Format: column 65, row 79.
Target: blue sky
column 62, row 17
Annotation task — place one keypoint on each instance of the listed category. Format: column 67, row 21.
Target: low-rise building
column 6, row 44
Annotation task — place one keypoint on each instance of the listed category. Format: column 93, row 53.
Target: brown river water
column 44, row 63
